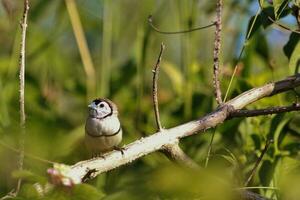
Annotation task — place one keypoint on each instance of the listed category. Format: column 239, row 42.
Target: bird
column 103, row 131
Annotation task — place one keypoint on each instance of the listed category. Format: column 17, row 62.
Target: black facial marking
column 97, row 101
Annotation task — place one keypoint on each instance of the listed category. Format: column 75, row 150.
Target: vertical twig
column 82, row 47
column 217, row 47
column 154, row 88
column 173, row 151
column 22, row 89
column 257, row 162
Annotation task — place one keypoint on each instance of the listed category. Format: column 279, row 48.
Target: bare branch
column 266, row 111
column 150, row 21
column 159, row 140
column 154, row 88
column 22, row 88
column 257, row 162
column 23, row 25
column 217, row 48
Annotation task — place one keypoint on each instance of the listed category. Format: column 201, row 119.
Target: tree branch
column 154, row 87
column 217, row 48
column 266, row 111
column 22, row 88
column 23, row 25
column 159, row 140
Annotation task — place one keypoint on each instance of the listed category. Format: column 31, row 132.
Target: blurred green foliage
column 124, row 49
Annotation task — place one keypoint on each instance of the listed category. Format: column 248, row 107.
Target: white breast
column 97, row 137
column 106, row 126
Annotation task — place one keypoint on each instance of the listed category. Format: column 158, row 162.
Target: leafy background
column 124, row 49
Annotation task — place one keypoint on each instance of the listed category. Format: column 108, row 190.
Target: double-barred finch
column 103, row 130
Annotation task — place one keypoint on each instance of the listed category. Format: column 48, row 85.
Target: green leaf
column 294, row 62
column 254, row 24
column 259, row 20
column 266, row 172
column 292, row 51
column 278, row 123
column 290, row 46
column 230, row 158
column 279, row 6
column 295, row 125
column 256, row 140
column 265, row 14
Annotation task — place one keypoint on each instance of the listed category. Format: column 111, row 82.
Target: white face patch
column 99, row 109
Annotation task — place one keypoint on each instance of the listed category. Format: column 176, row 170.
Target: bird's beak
column 92, row 106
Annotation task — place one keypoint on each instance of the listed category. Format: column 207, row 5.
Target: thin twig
column 266, row 111
column 173, row 151
column 258, row 187
column 22, row 90
column 217, row 44
column 150, row 21
column 282, row 26
column 258, row 162
column 154, row 88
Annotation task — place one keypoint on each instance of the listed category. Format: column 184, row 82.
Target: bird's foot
column 121, row 149
column 98, row 155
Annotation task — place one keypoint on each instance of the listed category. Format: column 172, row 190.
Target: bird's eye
column 101, row 105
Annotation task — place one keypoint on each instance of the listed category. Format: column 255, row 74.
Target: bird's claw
column 98, row 155
column 121, row 149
